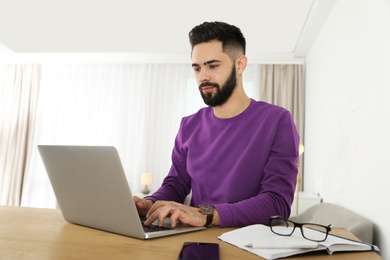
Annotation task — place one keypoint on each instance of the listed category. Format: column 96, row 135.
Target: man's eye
column 196, row 69
column 213, row 66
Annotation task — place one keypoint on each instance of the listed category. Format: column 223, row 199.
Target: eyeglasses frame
column 299, row 225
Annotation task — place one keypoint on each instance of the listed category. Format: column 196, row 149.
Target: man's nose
column 204, row 76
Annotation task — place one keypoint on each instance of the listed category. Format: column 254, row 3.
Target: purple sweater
column 246, row 166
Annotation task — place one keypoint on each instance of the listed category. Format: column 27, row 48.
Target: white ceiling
column 273, row 28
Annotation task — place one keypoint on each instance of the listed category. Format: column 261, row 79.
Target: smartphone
column 199, row 251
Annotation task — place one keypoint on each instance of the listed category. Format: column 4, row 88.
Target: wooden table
column 31, row 233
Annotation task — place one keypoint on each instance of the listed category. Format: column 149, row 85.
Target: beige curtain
column 19, row 86
column 283, row 85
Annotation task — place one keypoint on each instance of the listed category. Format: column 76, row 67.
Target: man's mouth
column 207, row 89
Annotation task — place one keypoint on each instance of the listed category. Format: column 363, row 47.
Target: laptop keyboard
column 153, row 228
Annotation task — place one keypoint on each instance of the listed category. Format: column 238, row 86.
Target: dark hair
column 231, row 36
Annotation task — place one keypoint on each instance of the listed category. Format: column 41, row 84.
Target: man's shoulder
column 199, row 115
column 268, row 107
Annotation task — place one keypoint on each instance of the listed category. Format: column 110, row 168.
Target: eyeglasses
column 284, row 227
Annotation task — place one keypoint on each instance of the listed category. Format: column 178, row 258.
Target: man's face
column 215, row 73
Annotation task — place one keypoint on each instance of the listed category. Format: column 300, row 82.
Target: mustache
column 204, row 84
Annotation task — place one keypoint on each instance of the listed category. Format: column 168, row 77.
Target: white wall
column 347, row 133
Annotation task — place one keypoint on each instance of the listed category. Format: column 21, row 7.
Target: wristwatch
column 207, row 210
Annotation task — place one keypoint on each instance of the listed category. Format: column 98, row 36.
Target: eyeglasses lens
column 310, row 232
column 282, row 227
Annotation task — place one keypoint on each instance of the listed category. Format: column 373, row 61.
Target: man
column 237, row 156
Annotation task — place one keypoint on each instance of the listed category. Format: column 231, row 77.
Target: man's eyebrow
column 211, row 61
column 205, row 63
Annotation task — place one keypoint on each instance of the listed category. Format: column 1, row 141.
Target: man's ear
column 241, row 63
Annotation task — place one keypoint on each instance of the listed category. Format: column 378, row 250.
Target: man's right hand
column 142, row 205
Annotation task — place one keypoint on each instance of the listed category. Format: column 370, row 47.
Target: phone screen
column 199, row 251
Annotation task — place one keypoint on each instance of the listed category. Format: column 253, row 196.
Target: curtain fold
column 18, row 102
column 135, row 107
column 283, row 85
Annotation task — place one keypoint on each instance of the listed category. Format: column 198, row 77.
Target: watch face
column 206, row 209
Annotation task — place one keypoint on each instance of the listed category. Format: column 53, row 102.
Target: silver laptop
column 92, row 190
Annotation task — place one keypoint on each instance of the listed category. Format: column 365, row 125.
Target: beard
column 223, row 93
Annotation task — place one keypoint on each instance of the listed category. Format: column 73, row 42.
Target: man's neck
column 235, row 105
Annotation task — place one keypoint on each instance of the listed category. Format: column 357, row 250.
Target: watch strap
column 209, row 219
column 207, row 210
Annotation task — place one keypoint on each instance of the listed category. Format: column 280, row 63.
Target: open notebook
column 262, row 234
column 92, row 190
